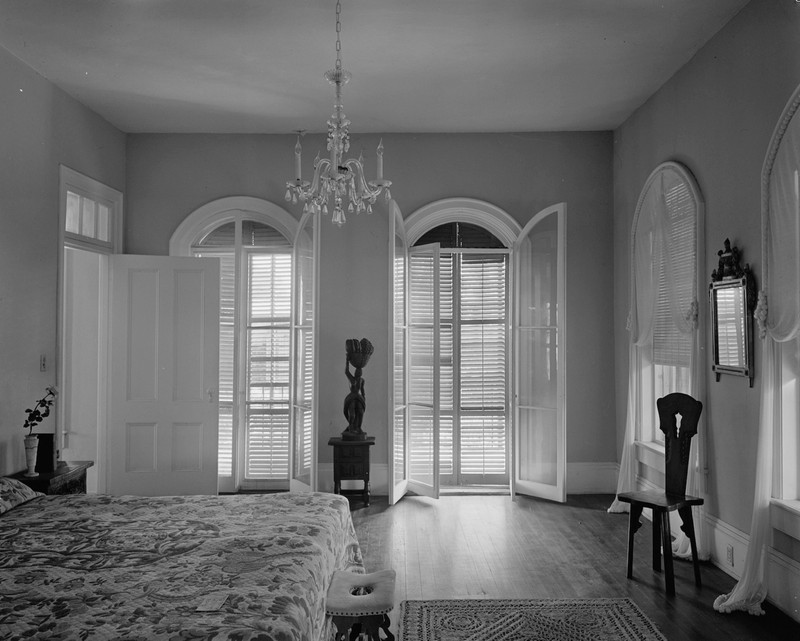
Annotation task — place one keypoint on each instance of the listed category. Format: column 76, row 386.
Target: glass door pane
column 539, row 429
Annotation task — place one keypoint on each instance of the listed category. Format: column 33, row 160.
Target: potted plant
column 36, row 415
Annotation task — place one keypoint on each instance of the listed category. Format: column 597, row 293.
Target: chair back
column 678, row 439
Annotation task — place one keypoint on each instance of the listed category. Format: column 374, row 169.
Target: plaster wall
column 41, row 128
column 169, row 176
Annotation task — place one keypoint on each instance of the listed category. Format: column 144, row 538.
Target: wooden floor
column 493, row 547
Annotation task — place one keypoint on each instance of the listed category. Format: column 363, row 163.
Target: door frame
column 71, row 180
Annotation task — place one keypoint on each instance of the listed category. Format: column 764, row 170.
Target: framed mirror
column 732, row 295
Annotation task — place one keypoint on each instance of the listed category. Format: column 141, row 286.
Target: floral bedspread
column 135, row 568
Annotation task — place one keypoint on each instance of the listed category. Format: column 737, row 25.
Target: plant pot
column 31, row 448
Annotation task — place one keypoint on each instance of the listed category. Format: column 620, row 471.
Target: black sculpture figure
column 355, row 403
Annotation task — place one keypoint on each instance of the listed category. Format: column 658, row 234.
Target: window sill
column 784, row 515
column 650, row 453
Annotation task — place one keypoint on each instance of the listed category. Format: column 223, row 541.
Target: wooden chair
column 678, row 443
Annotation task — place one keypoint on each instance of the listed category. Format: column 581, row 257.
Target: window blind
column 676, row 283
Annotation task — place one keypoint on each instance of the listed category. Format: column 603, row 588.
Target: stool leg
column 385, row 627
column 372, row 625
column 657, row 540
column 667, row 547
column 688, row 529
column 633, row 525
column 342, row 625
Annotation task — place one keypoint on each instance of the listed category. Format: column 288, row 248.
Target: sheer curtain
column 778, row 316
column 665, row 237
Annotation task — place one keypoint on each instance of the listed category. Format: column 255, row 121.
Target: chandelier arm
column 362, row 186
column 319, row 171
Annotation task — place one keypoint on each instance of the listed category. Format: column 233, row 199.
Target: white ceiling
column 256, row 66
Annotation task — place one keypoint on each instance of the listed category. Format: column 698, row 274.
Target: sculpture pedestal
column 351, row 463
column 354, row 436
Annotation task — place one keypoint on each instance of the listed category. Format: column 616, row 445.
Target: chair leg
column 633, row 525
column 666, row 537
column 657, row 540
column 688, row 529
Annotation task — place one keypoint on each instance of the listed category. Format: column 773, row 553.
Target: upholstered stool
column 360, row 604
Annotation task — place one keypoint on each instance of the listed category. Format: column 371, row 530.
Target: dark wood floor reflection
column 493, row 547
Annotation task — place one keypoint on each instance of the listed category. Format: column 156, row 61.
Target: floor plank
column 493, row 547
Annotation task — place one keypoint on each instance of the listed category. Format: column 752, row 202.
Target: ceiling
column 256, row 66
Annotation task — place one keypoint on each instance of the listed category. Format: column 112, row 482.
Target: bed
column 245, row 567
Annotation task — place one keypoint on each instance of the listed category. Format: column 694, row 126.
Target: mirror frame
column 730, row 275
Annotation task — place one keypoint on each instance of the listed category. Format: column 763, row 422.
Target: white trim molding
column 223, row 210
column 465, row 210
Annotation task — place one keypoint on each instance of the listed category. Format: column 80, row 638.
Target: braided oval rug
column 518, row 619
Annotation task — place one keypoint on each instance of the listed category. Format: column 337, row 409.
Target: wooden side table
column 351, row 463
column 69, row 478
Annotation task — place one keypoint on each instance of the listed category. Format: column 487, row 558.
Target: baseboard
column 582, row 478
column 728, row 546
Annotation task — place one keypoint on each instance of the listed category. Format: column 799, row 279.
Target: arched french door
column 456, row 393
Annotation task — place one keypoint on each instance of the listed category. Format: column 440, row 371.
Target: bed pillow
column 13, row 493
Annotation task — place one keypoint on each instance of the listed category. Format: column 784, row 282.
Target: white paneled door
column 164, row 353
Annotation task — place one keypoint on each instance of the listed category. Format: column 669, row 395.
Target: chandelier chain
column 338, row 34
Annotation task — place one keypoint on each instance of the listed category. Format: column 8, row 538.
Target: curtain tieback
column 692, row 314
column 761, row 313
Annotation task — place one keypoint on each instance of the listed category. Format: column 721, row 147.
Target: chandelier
column 335, row 178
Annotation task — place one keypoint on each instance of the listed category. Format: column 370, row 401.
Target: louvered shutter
column 482, row 366
column 268, row 349
column 227, row 330
column 424, row 371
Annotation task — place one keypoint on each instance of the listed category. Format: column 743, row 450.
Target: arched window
column 253, row 241
column 664, row 351
column 664, row 307
column 776, row 500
